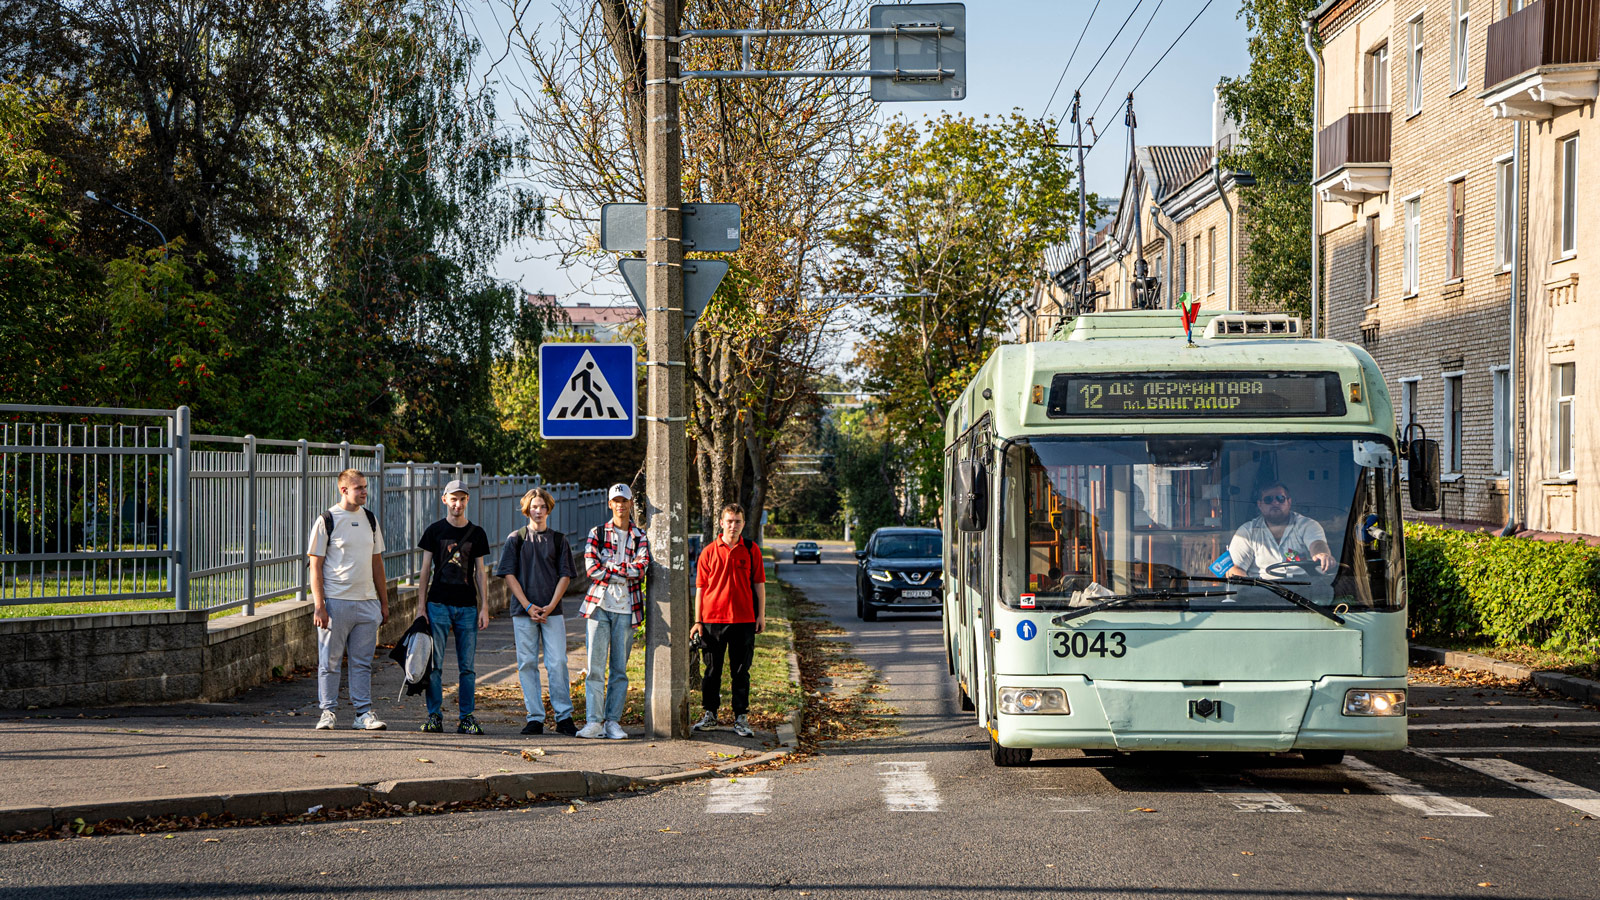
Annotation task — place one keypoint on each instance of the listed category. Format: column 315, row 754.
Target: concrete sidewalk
column 259, row 755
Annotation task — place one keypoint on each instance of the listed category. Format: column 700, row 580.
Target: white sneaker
column 708, row 721
column 741, row 726
column 592, row 730
column 327, row 721
column 615, row 732
column 368, row 722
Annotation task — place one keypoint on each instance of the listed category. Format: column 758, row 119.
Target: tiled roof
column 601, row 315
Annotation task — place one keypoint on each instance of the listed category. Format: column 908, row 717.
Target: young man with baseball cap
column 455, row 598
column 617, row 557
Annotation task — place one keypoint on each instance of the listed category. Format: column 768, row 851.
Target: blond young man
column 537, row 566
column 350, row 599
column 453, row 595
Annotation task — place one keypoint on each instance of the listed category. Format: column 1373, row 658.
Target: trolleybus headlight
column 1024, row 701
column 880, row 575
column 1374, row 703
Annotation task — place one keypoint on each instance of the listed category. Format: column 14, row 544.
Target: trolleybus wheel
column 1322, row 757
column 1009, row 756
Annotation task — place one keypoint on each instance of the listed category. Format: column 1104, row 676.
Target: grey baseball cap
column 456, row 487
column 619, row 490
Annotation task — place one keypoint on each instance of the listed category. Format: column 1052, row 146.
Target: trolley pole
column 1085, row 301
column 667, row 613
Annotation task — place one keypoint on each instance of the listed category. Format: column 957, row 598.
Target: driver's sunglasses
column 1275, row 498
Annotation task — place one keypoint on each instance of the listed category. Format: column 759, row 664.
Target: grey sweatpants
column 353, row 630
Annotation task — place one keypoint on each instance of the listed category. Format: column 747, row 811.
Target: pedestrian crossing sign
column 588, row 391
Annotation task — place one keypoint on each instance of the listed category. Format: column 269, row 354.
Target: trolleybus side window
column 1113, row 515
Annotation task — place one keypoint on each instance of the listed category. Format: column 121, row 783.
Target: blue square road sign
column 588, row 391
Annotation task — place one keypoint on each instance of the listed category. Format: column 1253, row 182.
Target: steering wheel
column 1285, row 569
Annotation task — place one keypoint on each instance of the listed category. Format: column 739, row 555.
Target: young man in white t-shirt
column 351, row 596
column 1278, row 535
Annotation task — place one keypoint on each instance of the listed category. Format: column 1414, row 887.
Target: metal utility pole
column 1085, row 301
column 1141, row 270
column 666, row 457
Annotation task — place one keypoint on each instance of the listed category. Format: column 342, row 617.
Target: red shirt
column 726, row 576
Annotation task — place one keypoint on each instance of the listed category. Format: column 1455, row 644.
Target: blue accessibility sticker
column 1026, row 630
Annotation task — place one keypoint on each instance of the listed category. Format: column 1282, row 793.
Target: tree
column 956, row 214
column 1273, row 105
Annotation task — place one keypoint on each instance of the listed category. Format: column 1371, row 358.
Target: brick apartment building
column 1451, row 190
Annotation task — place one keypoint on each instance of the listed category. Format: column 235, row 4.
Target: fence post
column 344, row 455
column 411, row 514
column 180, row 508
column 250, row 525
column 378, row 513
column 302, row 452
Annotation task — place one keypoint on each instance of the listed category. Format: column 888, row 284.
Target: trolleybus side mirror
column 972, row 495
column 1422, row 457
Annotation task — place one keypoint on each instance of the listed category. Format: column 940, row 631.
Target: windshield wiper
column 1276, row 587
column 1135, row 597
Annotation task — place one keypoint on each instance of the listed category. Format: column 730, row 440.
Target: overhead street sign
column 932, row 66
column 588, row 391
column 700, row 280
column 707, row 227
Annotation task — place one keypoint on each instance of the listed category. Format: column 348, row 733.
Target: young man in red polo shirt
column 731, row 608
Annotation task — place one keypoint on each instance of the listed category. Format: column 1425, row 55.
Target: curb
column 1572, row 687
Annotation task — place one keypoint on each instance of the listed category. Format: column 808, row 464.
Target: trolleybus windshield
column 1110, row 516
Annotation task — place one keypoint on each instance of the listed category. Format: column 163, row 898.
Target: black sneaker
column 469, row 725
column 434, row 725
column 567, row 727
column 534, row 727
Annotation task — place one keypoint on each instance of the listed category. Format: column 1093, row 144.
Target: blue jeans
column 463, row 620
column 610, row 634
column 551, row 636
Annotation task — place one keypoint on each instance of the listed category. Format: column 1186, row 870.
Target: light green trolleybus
column 1153, row 543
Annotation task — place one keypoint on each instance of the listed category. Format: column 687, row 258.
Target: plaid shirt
column 631, row 561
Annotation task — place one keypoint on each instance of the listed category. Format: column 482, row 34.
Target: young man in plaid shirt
column 617, row 557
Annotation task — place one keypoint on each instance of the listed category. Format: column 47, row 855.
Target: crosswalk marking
column 907, row 787
column 1573, row 795
column 1502, row 726
column 1445, row 751
column 1246, row 798
column 1406, row 792
column 749, row 796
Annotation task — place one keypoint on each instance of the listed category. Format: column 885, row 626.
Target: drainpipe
column 1316, row 205
column 1155, row 219
column 1216, row 175
column 1512, row 402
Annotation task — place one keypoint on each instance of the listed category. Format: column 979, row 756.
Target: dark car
column 902, row 570
column 807, row 551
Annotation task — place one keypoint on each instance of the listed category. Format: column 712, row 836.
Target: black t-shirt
column 456, row 552
column 539, row 560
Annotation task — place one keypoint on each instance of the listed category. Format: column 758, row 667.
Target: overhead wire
column 1070, row 57
column 1128, row 58
column 1151, row 71
column 1109, row 44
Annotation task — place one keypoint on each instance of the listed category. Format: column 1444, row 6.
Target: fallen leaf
column 168, row 837
column 668, row 831
column 530, row 794
column 502, row 770
column 212, row 841
column 1485, row 883
column 569, row 810
column 1141, row 809
column 532, row 753
column 422, row 759
column 1246, row 853
column 161, row 767
column 1426, row 838
column 317, row 756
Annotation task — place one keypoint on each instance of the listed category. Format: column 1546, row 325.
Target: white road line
column 749, row 796
column 1501, row 726
column 1575, row 796
column 1249, row 799
column 907, row 787
column 1501, row 707
column 1406, row 792
column 1441, row 751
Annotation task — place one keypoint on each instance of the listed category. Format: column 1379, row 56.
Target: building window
column 1378, row 77
column 1505, row 214
column 1563, row 385
column 1372, row 258
column 1413, row 237
column 1503, row 417
column 1458, row 45
column 1211, row 258
column 1452, row 424
column 1569, row 196
column 1414, row 76
column 1408, row 416
column 1455, row 229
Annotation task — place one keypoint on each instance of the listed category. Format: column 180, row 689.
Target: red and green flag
column 1191, row 311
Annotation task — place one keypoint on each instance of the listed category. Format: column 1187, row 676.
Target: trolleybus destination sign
column 1195, row 395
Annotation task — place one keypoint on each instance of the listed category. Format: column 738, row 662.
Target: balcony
column 1542, row 58
column 1353, row 156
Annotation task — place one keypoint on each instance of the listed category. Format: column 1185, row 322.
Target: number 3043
column 1079, row 644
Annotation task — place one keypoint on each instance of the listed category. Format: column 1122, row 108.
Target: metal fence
column 95, row 508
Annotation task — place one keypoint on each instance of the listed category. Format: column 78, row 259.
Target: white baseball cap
column 619, row 490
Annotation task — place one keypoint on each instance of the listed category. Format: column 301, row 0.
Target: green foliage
column 1273, row 106
column 1463, row 585
column 871, row 470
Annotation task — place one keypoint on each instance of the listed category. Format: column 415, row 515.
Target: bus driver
column 1278, row 535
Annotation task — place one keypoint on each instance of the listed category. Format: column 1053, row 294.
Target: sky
column 1018, row 54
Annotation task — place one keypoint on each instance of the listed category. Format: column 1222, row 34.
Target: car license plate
column 917, row 595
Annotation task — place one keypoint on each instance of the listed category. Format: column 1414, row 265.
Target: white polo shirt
column 347, row 563
column 1253, row 547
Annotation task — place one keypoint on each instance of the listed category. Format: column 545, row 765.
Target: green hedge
column 1511, row 590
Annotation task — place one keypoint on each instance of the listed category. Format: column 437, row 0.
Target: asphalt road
column 1467, row 812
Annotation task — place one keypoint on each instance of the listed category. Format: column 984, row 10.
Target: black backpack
column 327, row 521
